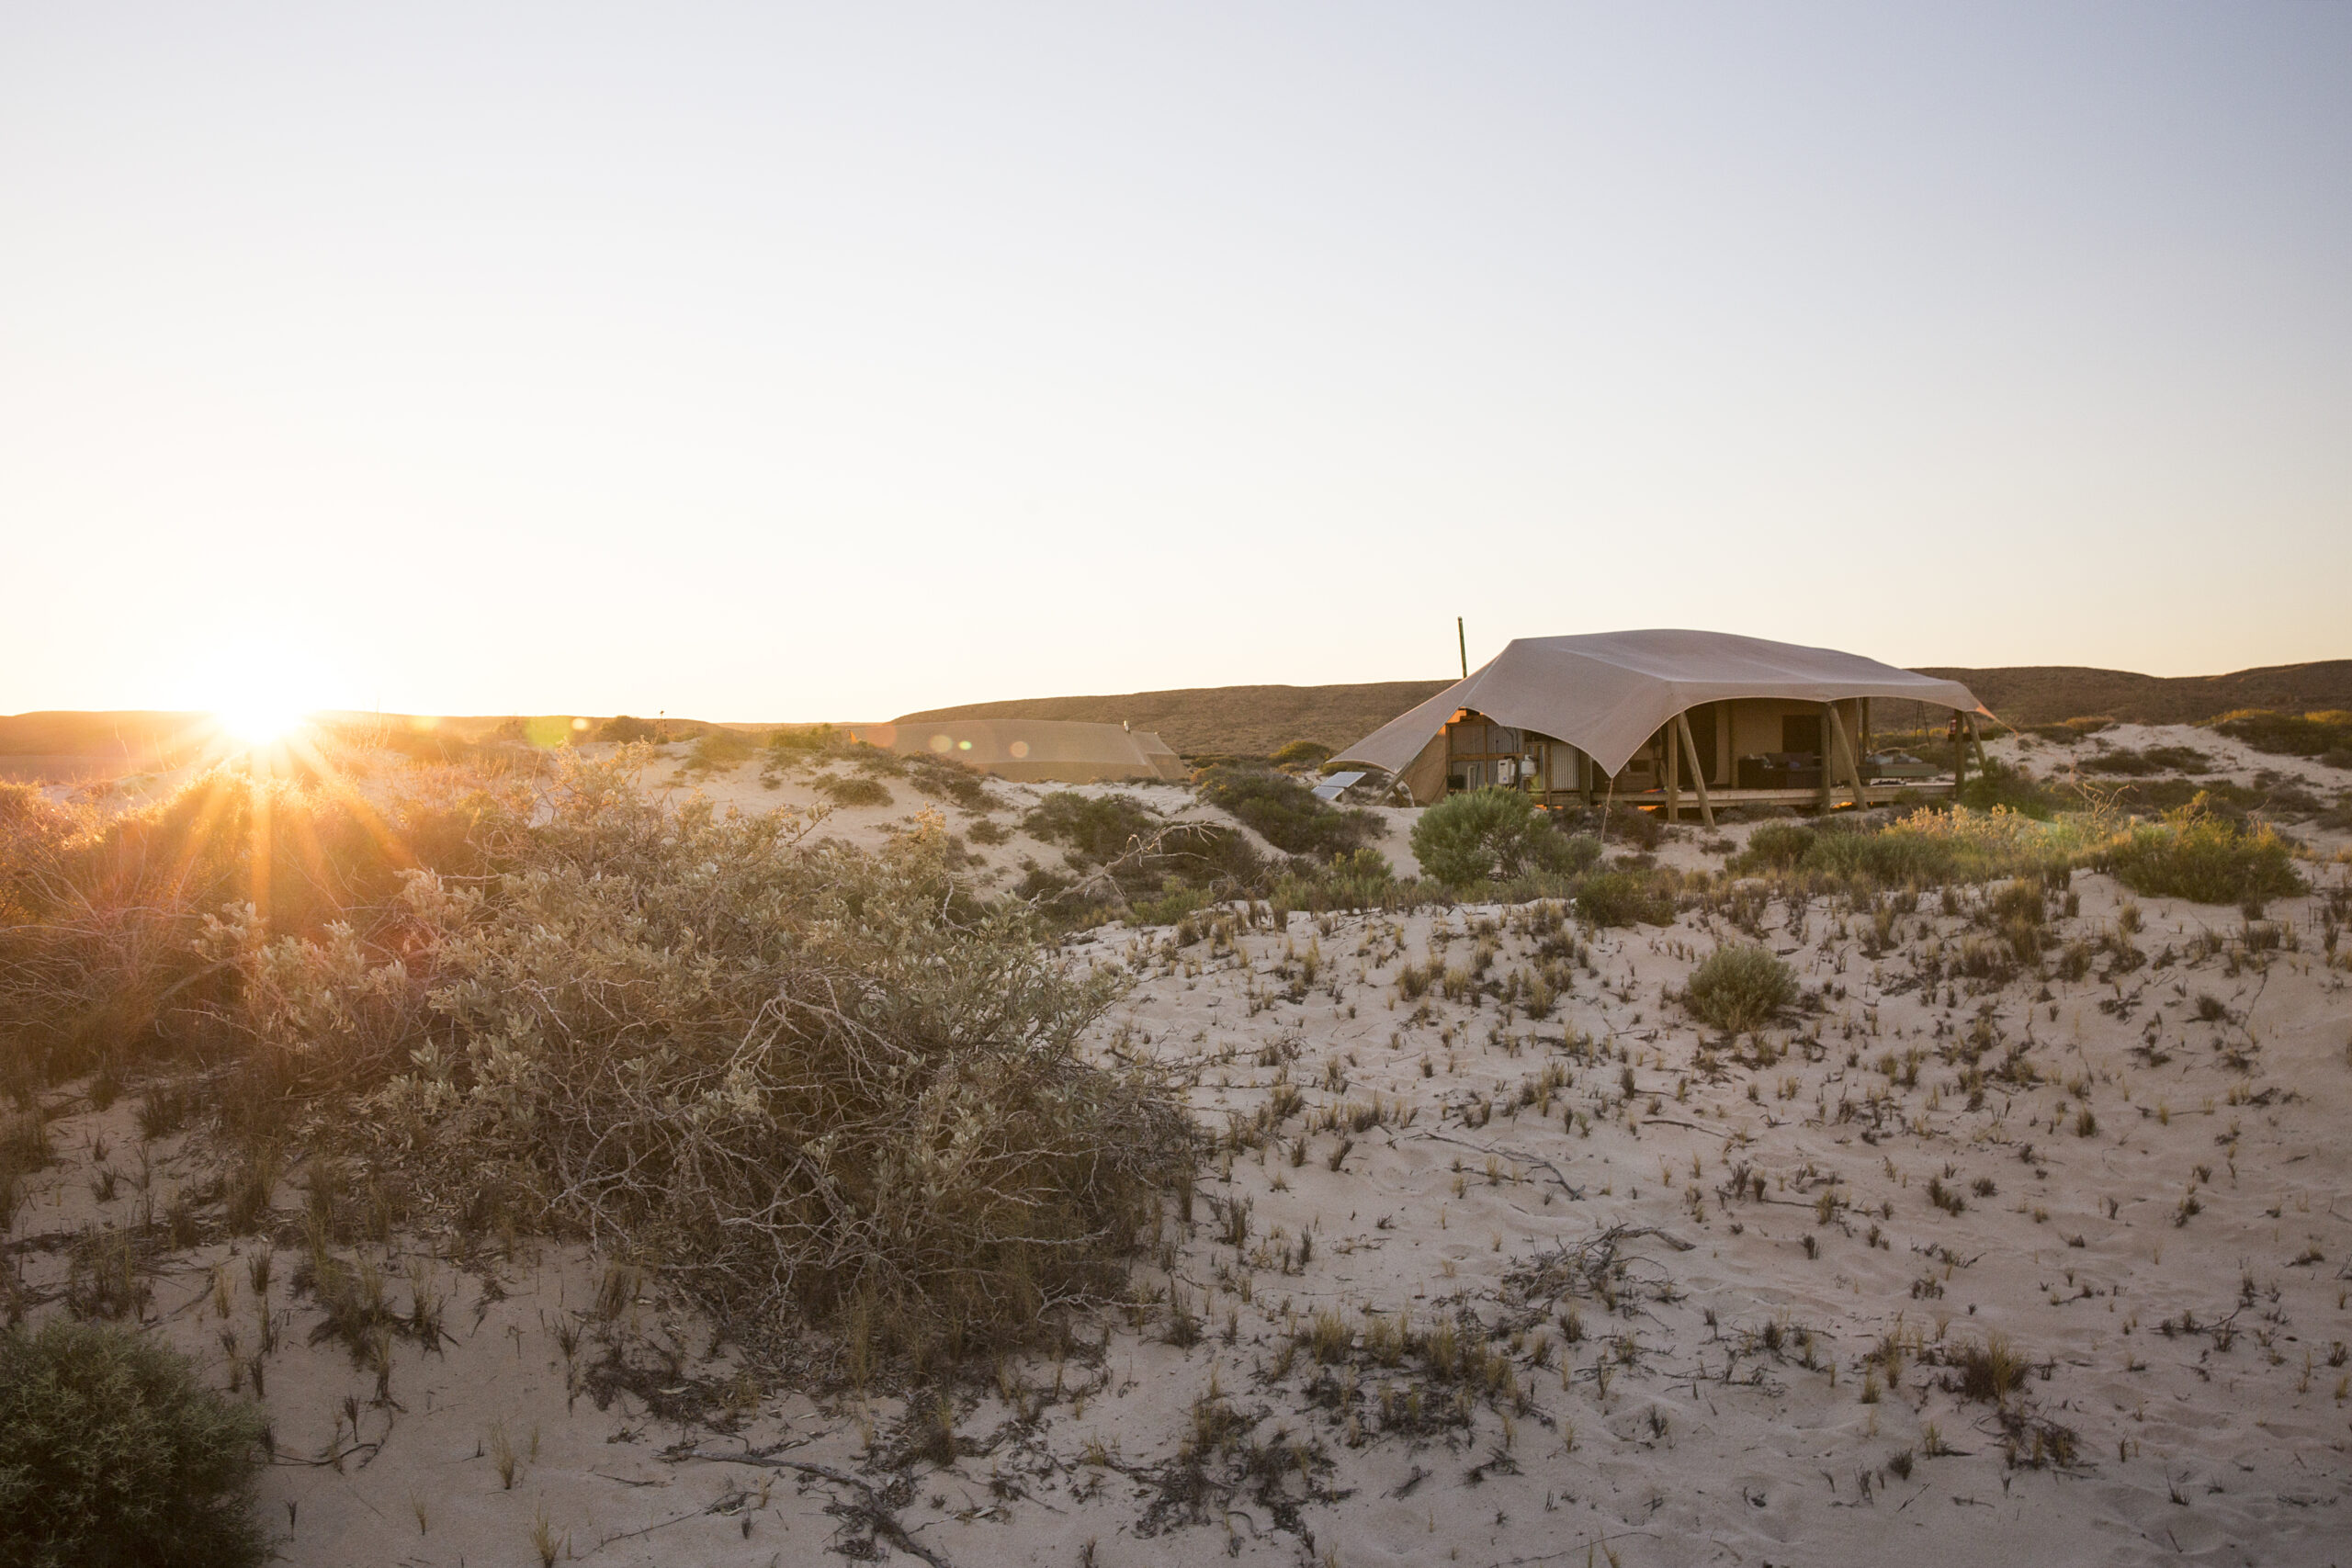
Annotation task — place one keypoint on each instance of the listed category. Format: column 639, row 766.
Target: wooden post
column 1976, row 738
column 1673, row 778
column 1829, row 720
column 1845, row 747
column 1959, row 759
column 1698, row 769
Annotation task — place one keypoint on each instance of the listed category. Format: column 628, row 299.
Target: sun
column 258, row 721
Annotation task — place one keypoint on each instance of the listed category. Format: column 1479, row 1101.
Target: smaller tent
column 1034, row 750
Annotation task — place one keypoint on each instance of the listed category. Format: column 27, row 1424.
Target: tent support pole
column 1673, row 778
column 1828, row 755
column 1698, row 769
column 1976, row 738
column 1845, row 748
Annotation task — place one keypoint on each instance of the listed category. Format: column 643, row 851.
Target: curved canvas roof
column 1034, row 750
column 1607, row 694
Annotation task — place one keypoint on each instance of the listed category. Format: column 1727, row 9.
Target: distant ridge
column 2044, row 693
column 1255, row 720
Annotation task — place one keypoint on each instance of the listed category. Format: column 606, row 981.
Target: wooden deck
column 1838, row 796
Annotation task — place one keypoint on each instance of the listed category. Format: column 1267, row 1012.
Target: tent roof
column 1608, row 692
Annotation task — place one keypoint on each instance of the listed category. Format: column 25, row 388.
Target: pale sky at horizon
column 772, row 363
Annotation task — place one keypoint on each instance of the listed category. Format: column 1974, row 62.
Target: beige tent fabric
column 1034, row 750
column 1608, row 692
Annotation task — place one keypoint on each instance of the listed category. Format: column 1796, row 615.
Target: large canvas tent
column 1034, row 750
column 1573, row 714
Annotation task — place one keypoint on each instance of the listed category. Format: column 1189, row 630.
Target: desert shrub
column 2205, row 858
column 1285, row 813
column 820, row 1085
column 1360, row 880
column 720, row 747
column 804, row 738
column 1622, row 897
column 2130, row 763
column 1737, row 988
column 849, row 791
column 950, row 780
column 1932, row 847
column 2285, row 733
column 1990, row 1369
column 100, row 947
column 1774, row 846
column 1125, row 853
column 1999, row 787
column 1494, row 834
column 1098, row 827
column 1302, row 754
column 628, row 732
column 111, row 1454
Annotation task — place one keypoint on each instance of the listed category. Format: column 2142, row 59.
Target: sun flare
column 258, row 721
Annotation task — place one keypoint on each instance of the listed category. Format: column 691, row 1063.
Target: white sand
column 2228, row 1443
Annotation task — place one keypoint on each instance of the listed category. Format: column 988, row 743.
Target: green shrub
column 1999, row 787
column 1302, row 754
column 1774, row 846
column 1100, row 827
column 111, row 1454
column 1490, row 834
column 1360, row 880
column 1737, row 988
column 629, row 731
column 1285, row 813
column 2203, row 857
column 2291, row 735
column 717, row 748
column 1623, row 897
column 804, row 738
column 844, row 791
column 2130, row 763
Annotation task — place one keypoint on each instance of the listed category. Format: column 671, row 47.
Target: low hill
column 2044, row 693
column 1255, row 720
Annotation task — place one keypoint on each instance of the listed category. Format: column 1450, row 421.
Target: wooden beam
column 1673, row 778
column 1959, row 759
column 1976, row 738
column 1845, row 746
column 1828, row 718
column 1698, row 769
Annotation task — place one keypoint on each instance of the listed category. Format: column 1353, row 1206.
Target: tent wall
column 1424, row 776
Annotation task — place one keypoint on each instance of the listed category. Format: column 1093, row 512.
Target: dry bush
column 815, row 1082
column 99, row 919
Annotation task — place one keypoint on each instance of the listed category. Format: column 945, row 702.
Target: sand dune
column 1464, row 1284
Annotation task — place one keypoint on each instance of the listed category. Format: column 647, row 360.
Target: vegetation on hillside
column 1285, row 813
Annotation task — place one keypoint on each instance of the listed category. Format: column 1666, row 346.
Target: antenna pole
column 1462, row 643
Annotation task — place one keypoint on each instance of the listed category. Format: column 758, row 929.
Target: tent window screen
column 1800, row 733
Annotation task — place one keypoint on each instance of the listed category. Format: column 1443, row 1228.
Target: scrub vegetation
column 112, row 1453
column 822, row 1085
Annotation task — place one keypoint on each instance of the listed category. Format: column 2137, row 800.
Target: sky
column 775, row 362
